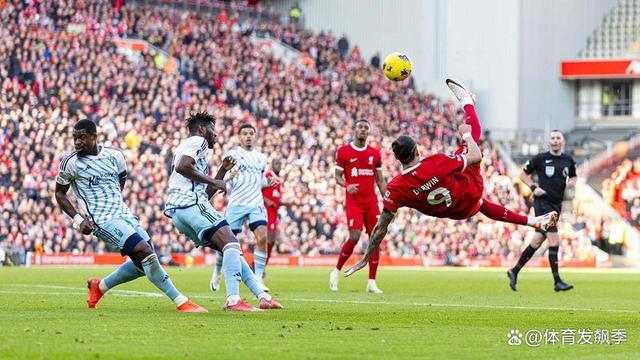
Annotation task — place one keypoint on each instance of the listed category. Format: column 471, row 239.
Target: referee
column 555, row 171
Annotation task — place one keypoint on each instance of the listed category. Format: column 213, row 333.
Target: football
column 397, row 66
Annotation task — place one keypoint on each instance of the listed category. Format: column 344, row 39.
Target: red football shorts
column 362, row 215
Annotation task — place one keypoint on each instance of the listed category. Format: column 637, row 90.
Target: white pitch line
column 117, row 292
column 475, row 306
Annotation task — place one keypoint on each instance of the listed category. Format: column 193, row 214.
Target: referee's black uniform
column 552, row 172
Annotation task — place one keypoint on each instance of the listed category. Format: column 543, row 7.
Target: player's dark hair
column 246, row 126
column 404, row 149
column 195, row 120
column 87, row 125
column 558, row 131
column 359, row 121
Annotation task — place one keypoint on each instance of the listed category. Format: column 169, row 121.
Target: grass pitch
column 445, row 314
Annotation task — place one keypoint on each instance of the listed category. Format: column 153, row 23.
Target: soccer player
column 190, row 189
column 97, row 175
column 272, row 196
column 359, row 169
column 445, row 186
column 555, row 172
column 246, row 202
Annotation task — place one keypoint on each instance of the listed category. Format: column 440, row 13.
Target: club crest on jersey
column 549, row 170
column 370, row 160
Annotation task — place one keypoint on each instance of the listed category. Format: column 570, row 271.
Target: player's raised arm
column 227, row 164
column 474, row 154
column 378, row 234
column 186, row 167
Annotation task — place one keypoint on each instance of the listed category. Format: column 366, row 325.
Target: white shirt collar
column 353, row 145
column 408, row 170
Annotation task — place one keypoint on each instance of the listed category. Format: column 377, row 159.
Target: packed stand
column 58, row 65
column 622, row 190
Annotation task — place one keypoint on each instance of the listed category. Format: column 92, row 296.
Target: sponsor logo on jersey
column 355, row 172
column 353, row 160
column 97, row 179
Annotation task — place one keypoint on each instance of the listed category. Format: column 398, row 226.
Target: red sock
column 500, row 213
column 269, row 249
column 472, row 119
column 347, row 250
column 373, row 264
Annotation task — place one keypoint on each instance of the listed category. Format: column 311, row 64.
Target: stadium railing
column 300, row 260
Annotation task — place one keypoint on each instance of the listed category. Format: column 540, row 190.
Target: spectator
column 375, row 60
column 343, row 46
column 301, row 113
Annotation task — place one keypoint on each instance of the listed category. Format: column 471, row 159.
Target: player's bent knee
column 222, row 237
column 135, row 246
column 258, row 226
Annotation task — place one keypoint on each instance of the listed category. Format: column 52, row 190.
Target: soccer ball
column 397, row 66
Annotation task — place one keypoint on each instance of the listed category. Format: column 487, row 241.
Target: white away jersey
column 95, row 179
column 246, row 187
column 183, row 192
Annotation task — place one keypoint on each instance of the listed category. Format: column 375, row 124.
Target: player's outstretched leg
column 143, row 253
column 236, row 269
column 249, row 279
column 372, row 287
column 468, row 100
column 500, row 213
column 97, row 288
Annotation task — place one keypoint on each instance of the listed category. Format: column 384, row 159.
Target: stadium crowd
column 58, row 64
column 622, row 190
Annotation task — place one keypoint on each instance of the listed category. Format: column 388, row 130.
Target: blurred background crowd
column 58, row 64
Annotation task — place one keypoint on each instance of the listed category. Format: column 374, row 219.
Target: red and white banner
column 600, row 69
column 295, row 260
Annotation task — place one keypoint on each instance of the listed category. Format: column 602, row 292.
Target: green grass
column 445, row 314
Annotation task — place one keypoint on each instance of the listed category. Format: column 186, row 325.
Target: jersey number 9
column 434, row 199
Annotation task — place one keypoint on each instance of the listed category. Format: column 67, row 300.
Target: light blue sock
column 232, row 268
column 125, row 273
column 219, row 259
column 156, row 274
column 249, row 279
column 259, row 262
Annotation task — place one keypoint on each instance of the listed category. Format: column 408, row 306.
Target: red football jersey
column 359, row 166
column 272, row 193
column 439, row 185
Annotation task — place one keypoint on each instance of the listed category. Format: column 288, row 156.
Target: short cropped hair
column 359, row 121
column 87, row 125
column 195, row 120
column 246, row 126
column 404, row 149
